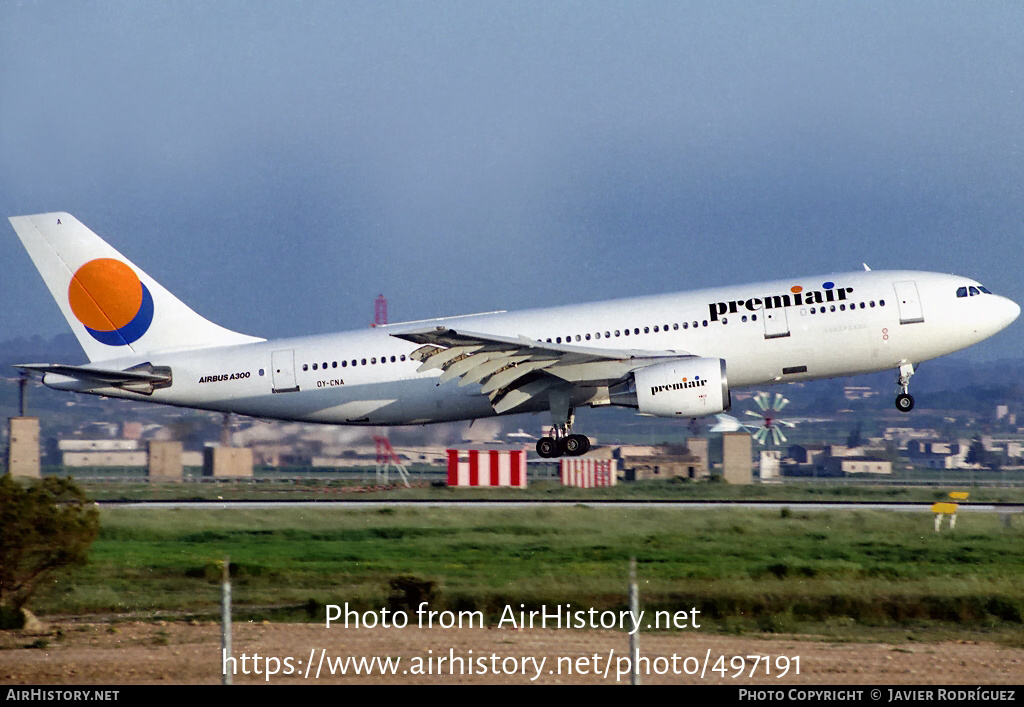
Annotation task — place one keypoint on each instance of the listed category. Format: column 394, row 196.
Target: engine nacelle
column 689, row 387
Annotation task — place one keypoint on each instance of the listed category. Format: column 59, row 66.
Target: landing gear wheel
column 586, row 444
column 575, row 445
column 904, row 402
column 548, row 448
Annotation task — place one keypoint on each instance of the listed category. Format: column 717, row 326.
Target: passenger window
column 305, row 366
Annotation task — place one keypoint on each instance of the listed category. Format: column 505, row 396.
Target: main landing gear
column 904, row 400
column 562, row 443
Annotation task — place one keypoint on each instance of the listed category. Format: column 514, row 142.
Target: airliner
column 673, row 355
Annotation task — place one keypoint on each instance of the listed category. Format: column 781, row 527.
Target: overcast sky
column 277, row 165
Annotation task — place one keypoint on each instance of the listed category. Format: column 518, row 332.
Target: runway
column 900, row 506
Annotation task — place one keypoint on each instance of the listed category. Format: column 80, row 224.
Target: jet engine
column 686, row 387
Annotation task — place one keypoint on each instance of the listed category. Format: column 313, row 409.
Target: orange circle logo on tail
column 110, row 301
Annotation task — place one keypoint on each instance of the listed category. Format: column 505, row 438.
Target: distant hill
column 62, row 348
column 945, row 383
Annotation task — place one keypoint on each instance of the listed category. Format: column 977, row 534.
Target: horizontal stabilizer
column 144, row 378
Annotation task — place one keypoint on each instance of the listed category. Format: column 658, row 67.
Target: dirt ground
column 130, row 653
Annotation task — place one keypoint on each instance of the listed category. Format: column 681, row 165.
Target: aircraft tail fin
column 113, row 307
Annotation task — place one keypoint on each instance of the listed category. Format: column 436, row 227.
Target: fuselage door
column 909, row 302
column 776, row 323
column 283, row 371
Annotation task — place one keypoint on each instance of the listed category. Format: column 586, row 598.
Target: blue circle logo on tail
column 111, row 302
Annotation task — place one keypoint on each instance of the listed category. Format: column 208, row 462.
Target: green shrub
column 47, row 525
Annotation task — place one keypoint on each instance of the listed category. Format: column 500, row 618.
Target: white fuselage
column 792, row 330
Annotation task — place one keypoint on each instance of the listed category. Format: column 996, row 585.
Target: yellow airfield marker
column 942, row 508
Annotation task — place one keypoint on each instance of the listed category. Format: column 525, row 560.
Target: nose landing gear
column 904, row 400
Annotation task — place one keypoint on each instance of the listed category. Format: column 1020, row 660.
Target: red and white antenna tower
column 386, row 458
column 380, row 311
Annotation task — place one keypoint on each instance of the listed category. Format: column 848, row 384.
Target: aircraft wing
column 514, row 371
column 143, row 378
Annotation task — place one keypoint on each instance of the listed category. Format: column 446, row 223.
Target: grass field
column 745, row 570
column 309, row 488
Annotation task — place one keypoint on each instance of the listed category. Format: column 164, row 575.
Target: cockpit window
column 971, row 290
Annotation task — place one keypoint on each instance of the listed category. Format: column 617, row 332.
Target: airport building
column 689, row 461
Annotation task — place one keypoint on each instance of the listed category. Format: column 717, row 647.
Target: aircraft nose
column 1008, row 311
